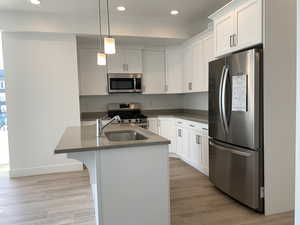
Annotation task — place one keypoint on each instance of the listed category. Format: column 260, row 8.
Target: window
column 2, row 97
column 3, row 109
column 2, row 84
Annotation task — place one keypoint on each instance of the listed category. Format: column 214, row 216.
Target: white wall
column 297, row 158
column 198, row 101
column 42, row 99
column 149, row 102
column 279, row 104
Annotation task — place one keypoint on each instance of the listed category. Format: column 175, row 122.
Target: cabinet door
column 179, row 141
column 92, row 78
column 182, row 143
column 208, row 52
column 224, row 29
column 195, row 149
column 153, row 125
column 174, row 70
column 154, row 72
column 115, row 62
column 167, row 130
column 133, row 61
column 205, row 154
column 198, row 67
column 188, row 69
column 248, row 19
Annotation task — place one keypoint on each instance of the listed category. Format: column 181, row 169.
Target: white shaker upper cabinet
column 92, row 78
column 238, row 25
column 198, row 76
column 208, row 52
column 125, row 61
column 154, row 72
column 248, row 24
column 133, row 61
column 197, row 53
column 188, row 69
column 174, row 70
column 224, row 29
column 116, row 62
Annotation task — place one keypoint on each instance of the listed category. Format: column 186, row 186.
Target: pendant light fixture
column 109, row 42
column 101, row 57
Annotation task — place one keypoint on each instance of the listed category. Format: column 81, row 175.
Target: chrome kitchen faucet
column 100, row 126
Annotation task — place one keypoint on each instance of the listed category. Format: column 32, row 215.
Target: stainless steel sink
column 124, row 135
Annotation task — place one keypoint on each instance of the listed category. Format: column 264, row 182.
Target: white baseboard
column 60, row 168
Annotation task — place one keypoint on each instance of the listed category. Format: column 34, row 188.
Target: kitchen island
column 129, row 172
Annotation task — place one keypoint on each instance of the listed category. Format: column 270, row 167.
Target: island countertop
column 84, row 138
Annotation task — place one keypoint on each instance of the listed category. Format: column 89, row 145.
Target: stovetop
column 127, row 114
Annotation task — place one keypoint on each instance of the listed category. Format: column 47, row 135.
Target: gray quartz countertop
column 84, row 138
column 182, row 115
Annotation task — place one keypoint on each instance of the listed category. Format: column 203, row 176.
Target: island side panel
column 135, row 186
column 91, row 160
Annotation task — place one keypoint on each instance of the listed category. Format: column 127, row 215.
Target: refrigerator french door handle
column 223, row 100
column 221, row 97
column 233, row 151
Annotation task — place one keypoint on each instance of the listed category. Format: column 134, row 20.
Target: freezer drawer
column 235, row 171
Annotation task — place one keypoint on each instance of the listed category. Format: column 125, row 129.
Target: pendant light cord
column 100, row 26
column 108, row 21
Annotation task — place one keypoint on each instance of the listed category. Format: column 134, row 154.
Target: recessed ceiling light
column 35, row 2
column 174, row 12
column 121, row 8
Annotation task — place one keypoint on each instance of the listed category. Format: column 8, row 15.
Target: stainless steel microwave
column 124, row 83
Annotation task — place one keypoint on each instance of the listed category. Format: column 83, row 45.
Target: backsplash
column 197, row 101
column 148, row 102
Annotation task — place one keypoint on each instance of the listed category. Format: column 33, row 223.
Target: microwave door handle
column 134, row 84
column 225, row 81
column 221, row 97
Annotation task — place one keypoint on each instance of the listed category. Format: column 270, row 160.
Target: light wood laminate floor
column 65, row 199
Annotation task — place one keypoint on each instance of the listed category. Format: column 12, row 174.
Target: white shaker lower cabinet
column 167, row 129
column 192, row 144
column 181, row 142
column 195, row 148
column 189, row 140
column 205, row 153
column 153, row 125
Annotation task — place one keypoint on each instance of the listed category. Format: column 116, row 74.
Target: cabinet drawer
column 194, row 125
column 181, row 122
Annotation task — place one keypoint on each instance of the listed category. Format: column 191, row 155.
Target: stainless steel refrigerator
column 236, row 126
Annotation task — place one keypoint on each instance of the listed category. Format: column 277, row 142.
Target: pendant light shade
column 101, row 59
column 109, row 45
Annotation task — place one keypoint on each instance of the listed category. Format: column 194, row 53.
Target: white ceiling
column 190, row 10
